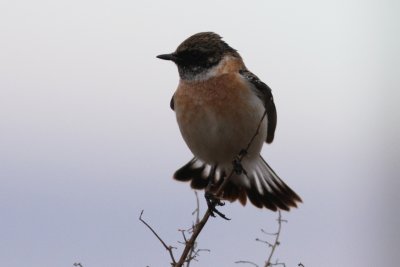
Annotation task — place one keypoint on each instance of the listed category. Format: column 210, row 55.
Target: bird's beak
column 171, row 57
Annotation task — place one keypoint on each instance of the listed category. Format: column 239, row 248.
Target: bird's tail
column 260, row 184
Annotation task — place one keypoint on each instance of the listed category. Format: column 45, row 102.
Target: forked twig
column 169, row 248
column 193, row 253
column 198, row 227
column 273, row 245
column 276, row 241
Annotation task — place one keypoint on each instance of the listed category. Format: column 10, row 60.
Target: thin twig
column 196, row 212
column 241, row 156
column 272, row 245
column 169, row 248
column 267, row 233
column 276, row 242
column 265, row 242
column 190, row 243
column 257, row 131
column 248, row 262
column 189, row 251
column 200, row 225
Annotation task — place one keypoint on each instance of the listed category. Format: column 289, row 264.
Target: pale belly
column 216, row 127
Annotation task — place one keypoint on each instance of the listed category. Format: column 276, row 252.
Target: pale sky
column 87, row 138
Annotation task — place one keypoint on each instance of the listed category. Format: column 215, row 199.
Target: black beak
column 171, row 57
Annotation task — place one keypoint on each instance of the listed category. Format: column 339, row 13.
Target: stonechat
column 219, row 104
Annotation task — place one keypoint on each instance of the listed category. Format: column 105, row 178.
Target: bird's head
column 198, row 54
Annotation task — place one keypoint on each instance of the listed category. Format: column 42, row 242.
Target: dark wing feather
column 265, row 94
column 172, row 104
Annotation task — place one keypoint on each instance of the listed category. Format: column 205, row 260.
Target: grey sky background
column 87, row 139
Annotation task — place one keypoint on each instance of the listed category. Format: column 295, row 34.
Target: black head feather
column 198, row 53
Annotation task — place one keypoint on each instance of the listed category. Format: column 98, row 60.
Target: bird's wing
column 171, row 103
column 265, row 94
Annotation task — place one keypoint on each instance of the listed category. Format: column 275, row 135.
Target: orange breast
column 218, row 116
column 223, row 95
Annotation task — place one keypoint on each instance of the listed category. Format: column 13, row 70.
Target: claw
column 212, row 202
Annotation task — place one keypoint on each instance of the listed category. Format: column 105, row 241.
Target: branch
column 276, row 242
column 200, row 225
column 247, row 262
column 169, row 248
column 272, row 245
column 193, row 253
column 189, row 252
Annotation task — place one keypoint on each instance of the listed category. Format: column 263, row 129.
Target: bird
column 219, row 104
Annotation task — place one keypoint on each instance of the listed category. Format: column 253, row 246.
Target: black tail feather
column 263, row 187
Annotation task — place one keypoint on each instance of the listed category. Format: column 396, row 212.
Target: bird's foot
column 212, row 202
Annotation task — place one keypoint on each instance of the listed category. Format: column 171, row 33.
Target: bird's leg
column 210, row 178
column 211, row 199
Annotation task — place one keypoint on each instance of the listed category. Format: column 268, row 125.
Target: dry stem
column 198, row 227
column 276, row 242
column 272, row 245
column 169, row 248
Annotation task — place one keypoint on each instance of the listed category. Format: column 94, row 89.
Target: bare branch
column 272, row 245
column 247, row 262
column 257, row 132
column 168, row 248
column 265, row 242
column 267, row 233
column 190, row 252
column 276, row 242
column 193, row 253
column 200, row 225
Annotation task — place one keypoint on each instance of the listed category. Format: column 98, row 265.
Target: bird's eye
column 195, row 54
column 198, row 56
column 211, row 59
column 191, row 55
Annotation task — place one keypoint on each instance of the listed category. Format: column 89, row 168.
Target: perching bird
column 218, row 104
